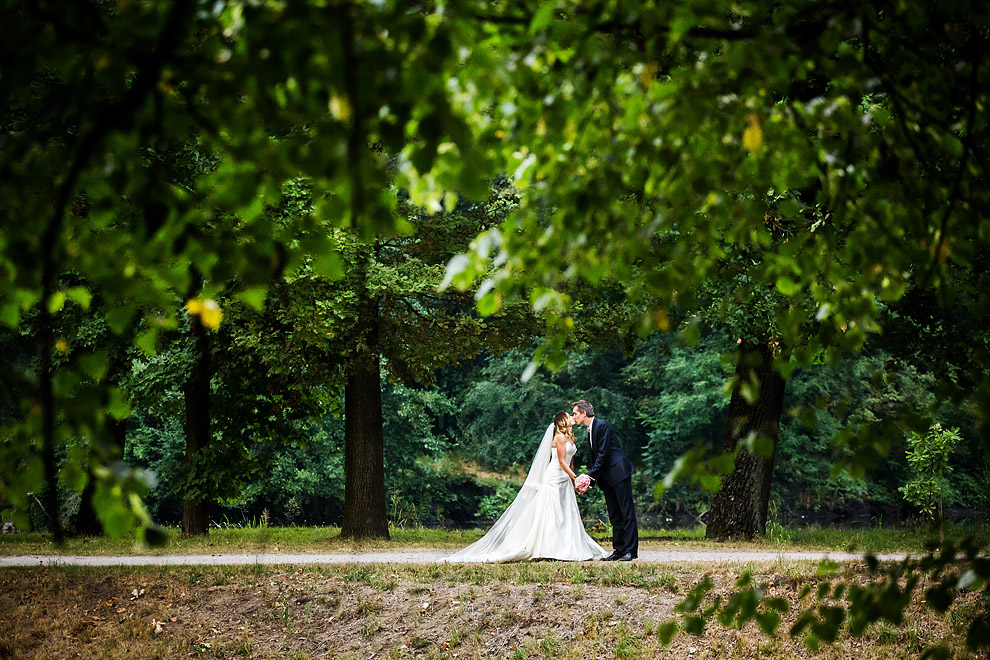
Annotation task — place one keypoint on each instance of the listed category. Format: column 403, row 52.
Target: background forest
column 455, row 450
column 455, row 453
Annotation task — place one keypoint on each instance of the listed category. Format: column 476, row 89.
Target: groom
column 613, row 471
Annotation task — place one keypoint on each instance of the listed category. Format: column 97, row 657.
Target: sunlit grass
column 880, row 539
column 264, row 539
column 253, row 539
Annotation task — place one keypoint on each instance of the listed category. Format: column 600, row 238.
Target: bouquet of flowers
column 582, row 483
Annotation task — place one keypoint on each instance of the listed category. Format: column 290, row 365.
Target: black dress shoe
column 626, row 557
column 612, row 557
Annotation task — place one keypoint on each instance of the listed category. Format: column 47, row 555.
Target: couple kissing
column 543, row 521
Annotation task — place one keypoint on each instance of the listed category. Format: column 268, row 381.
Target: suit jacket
column 609, row 464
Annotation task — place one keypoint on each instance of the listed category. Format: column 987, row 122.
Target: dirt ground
column 387, row 611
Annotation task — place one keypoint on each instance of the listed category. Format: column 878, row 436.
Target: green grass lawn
column 327, row 539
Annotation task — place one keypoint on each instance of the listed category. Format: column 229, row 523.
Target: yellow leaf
column 340, row 107
column 753, row 135
column 211, row 315
column 208, row 311
column 661, row 320
column 648, row 73
column 62, row 346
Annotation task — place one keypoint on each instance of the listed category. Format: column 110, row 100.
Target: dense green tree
column 95, row 98
column 647, row 137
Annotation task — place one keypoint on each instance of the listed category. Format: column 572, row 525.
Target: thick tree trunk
column 87, row 521
column 364, row 443
column 739, row 508
column 195, row 507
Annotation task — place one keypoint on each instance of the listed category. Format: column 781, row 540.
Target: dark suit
column 612, row 471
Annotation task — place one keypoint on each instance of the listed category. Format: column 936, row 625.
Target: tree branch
column 117, row 114
column 957, row 187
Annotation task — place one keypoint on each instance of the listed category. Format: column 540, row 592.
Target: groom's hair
column 584, row 407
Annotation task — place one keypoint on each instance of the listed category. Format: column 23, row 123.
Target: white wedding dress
column 543, row 522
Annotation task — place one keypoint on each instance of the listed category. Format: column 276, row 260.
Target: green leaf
column 489, row 303
column 254, row 297
column 154, row 536
column 768, row 622
column 978, row 635
column 329, row 265
column 938, row 652
column 940, row 597
column 118, row 407
column 95, row 365
column 116, row 516
column 763, row 446
column 147, row 341
column 119, row 318
column 10, row 314
column 542, row 17
column 788, row 287
column 710, row 482
column 694, row 625
column 804, row 620
column 691, row 334
column 666, row 631
column 79, row 295
column 56, row 301
column 966, row 579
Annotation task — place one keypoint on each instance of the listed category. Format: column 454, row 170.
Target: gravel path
column 412, row 557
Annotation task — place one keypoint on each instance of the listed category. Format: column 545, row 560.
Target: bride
column 543, row 522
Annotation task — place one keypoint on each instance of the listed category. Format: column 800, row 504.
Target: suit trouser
column 622, row 515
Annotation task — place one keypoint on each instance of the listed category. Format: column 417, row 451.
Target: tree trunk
column 87, row 521
column 364, row 443
column 739, row 508
column 195, row 506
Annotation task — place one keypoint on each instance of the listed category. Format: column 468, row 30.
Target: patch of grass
column 881, row 539
column 371, row 626
column 261, row 538
column 627, row 645
column 329, row 611
column 366, row 606
column 666, row 580
column 550, row 646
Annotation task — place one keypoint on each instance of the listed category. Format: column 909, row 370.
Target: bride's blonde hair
column 558, row 424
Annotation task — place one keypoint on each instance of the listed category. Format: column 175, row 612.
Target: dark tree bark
column 196, row 509
column 46, row 397
column 739, row 508
column 364, row 442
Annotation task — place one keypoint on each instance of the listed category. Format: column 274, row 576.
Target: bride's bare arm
column 560, row 445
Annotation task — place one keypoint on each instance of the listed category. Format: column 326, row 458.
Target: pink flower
column 582, row 483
